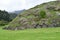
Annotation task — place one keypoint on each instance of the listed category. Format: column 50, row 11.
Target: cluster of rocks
column 35, row 25
column 53, row 8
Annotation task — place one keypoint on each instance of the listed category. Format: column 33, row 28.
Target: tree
column 4, row 15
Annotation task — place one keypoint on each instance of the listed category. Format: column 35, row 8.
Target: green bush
column 42, row 14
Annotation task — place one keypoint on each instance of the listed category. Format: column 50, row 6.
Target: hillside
column 41, row 16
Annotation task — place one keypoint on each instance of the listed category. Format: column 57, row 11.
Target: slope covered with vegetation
column 41, row 16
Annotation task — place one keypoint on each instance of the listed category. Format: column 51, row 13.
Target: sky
column 13, row 5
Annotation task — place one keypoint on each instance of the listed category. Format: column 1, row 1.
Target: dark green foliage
column 4, row 16
column 42, row 14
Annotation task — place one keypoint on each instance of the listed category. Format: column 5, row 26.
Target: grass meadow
column 31, row 34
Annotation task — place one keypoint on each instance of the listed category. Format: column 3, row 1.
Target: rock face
column 32, row 18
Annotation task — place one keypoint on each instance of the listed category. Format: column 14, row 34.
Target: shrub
column 42, row 14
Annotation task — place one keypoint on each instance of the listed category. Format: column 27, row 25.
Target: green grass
column 31, row 34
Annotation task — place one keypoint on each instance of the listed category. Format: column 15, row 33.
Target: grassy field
column 31, row 34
